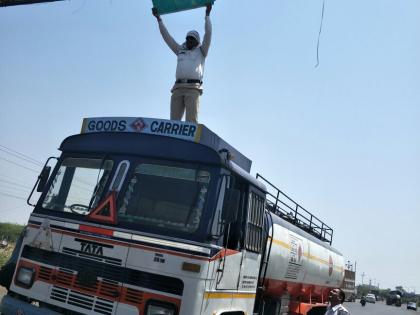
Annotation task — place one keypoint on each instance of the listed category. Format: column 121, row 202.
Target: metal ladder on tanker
column 280, row 204
column 264, row 263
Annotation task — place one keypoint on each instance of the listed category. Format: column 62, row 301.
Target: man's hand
column 156, row 14
column 208, row 9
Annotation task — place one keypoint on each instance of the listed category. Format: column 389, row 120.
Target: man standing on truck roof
column 190, row 68
column 336, row 299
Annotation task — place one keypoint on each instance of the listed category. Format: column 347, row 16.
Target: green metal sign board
column 6, row 3
column 170, row 6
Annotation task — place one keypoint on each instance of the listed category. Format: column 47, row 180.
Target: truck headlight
column 25, row 276
column 157, row 308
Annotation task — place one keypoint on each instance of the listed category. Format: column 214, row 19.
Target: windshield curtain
column 78, row 185
column 168, row 197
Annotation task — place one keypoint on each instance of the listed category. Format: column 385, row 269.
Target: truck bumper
column 12, row 306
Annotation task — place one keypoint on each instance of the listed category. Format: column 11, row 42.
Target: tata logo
column 91, row 248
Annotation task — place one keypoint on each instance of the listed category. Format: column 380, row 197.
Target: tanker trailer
column 299, row 265
column 394, row 297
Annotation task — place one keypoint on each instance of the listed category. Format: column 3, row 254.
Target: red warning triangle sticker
column 106, row 211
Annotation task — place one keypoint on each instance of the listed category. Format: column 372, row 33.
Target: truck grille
column 45, row 273
column 109, row 276
column 90, row 294
column 68, row 278
column 133, row 296
column 84, row 301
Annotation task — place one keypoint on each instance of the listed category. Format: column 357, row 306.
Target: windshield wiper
column 97, row 186
column 199, row 200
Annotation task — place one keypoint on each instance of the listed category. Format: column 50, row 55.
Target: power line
column 14, row 178
column 12, row 209
column 20, row 165
column 319, row 34
column 20, row 155
column 16, row 192
column 12, row 196
column 14, row 189
column 14, row 183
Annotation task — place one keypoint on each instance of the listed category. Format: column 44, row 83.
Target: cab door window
column 255, row 222
column 234, row 234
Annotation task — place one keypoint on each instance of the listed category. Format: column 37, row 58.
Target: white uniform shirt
column 337, row 310
column 190, row 62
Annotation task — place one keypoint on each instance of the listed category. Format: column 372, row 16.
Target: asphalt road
column 379, row 308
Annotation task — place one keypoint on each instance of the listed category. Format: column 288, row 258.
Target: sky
column 342, row 138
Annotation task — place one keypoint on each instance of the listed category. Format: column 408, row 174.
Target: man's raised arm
column 207, row 35
column 173, row 45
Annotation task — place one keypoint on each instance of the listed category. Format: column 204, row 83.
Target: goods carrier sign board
column 168, row 128
column 160, row 127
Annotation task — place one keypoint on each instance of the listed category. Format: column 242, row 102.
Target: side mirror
column 43, row 178
column 231, row 205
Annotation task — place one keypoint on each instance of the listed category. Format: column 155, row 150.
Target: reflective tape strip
column 281, row 243
column 123, row 235
column 67, row 225
column 71, row 226
column 307, row 255
column 224, row 295
column 127, row 236
column 96, row 230
column 150, row 240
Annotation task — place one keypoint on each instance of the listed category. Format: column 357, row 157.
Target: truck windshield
column 164, row 197
column 78, row 185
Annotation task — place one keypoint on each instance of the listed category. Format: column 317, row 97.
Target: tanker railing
column 288, row 209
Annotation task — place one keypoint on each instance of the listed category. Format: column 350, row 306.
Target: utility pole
column 362, row 275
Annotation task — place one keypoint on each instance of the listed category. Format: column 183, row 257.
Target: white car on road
column 371, row 298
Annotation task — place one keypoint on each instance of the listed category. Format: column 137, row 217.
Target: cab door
column 252, row 244
column 230, row 258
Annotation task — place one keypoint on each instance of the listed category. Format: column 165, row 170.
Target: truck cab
column 141, row 216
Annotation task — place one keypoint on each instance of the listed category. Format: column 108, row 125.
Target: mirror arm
column 28, row 201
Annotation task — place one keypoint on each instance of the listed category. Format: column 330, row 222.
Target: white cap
column 194, row 34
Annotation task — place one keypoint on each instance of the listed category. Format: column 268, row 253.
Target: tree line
column 10, row 232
